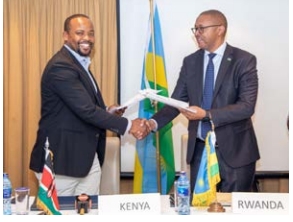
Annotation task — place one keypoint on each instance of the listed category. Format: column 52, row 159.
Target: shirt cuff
column 128, row 125
column 156, row 125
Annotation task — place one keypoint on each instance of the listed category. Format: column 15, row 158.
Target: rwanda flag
column 47, row 195
column 146, row 157
column 208, row 174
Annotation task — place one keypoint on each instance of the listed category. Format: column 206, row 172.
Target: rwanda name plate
column 260, row 203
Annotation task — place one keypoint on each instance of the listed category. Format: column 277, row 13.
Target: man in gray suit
column 74, row 116
column 233, row 102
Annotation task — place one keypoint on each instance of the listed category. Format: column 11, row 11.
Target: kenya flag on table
column 47, row 199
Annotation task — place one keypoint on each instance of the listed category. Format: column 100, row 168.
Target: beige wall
column 274, row 185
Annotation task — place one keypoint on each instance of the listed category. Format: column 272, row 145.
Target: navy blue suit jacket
column 73, row 117
column 233, row 105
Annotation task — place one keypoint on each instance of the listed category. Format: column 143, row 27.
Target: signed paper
column 137, row 98
column 152, row 94
column 166, row 100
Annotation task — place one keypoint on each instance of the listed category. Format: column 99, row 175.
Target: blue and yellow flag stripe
column 154, row 77
column 208, row 174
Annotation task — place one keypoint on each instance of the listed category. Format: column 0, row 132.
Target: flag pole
column 155, row 102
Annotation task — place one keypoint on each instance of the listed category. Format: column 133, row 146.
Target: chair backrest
column 184, row 166
column 110, row 180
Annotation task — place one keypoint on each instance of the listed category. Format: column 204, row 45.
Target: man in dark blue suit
column 73, row 115
column 233, row 101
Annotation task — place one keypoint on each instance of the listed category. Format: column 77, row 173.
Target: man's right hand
column 139, row 128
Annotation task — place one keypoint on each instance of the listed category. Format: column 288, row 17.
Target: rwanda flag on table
column 47, row 196
column 154, row 77
column 208, row 174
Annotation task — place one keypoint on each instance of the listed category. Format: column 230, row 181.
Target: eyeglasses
column 201, row 29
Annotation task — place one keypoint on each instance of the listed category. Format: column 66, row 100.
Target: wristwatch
column 207, row 117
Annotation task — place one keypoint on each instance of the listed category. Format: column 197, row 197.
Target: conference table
column 166, row 209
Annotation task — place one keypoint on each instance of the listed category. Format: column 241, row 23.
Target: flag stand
column 208, row 176
column 215, row 206
column 155, row 103
column 154, row 162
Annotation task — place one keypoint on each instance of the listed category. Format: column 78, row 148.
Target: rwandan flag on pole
column 146, row 157
column 47, row 196
column 205, row 191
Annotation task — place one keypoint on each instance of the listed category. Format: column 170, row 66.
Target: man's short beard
column 82, row 54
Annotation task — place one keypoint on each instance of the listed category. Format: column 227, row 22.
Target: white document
column 137, row 98
column 152, row 94
column 167, row 100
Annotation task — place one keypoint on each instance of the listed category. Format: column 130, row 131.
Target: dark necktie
column 208, row 93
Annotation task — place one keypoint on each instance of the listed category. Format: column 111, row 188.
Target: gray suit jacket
column 234, row 100
column 73, row 117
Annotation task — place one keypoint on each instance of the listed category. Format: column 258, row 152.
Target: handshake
column 140, row 128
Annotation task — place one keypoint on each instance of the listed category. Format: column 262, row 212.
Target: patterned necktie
column 208, row 93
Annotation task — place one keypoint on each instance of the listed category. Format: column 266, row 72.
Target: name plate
column 260, row 203
column 130, row 204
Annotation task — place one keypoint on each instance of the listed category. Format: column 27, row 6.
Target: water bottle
column 7, row 190
column 183, row 192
